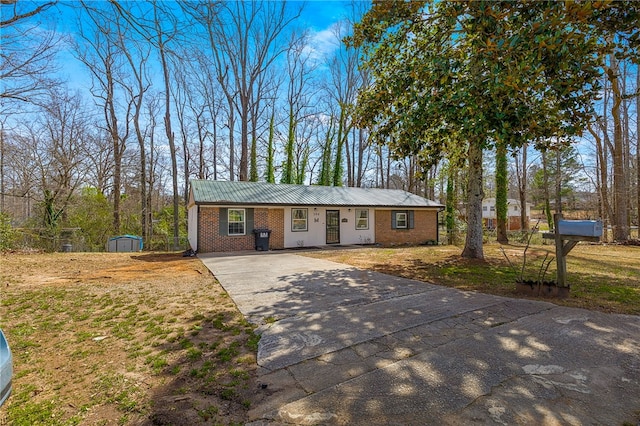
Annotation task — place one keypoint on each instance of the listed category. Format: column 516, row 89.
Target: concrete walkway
column 345, row 346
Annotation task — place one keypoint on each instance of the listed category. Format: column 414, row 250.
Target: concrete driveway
column 341, row 345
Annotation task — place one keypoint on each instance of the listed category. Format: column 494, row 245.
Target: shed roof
column 262, row 193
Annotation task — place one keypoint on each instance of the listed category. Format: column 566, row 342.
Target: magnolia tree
column 464, row 77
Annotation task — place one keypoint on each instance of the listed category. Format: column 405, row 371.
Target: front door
column 333, row 226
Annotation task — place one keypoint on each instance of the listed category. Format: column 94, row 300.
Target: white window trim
column 244, row 222
column 405, row 220
column 358, row 218
column 293, row 220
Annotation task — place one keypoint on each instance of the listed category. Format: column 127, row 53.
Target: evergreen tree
column 270, row 172
column 338, row 169
column 471, row 74
column 288, row 171
column 325, row 165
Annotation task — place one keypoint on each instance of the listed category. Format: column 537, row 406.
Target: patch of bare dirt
column 116, row 338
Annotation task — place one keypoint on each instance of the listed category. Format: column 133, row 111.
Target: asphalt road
column 345, row 346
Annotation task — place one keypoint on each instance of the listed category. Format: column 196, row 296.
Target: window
column 484, row 208
column 515, row 208
column 362, row 219
column 236, row 221
column 298, row 220
column 402, row 219
column 493, row 208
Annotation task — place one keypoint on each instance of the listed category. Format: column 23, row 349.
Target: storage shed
column 124, row 243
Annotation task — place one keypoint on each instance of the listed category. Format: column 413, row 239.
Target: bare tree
column 160, row 31
column 243, row 39
column 346, row 80
column 209, row 123
column 638, row 149
column 621, row 218
column 27, row 54
column 137, row 55
column 59, row 149
column 299, row 111
column 98, row 151
column 103, row 57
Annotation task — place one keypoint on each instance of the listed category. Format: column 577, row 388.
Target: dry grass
column 101, row 339
column 114, row 338
column 602, row 277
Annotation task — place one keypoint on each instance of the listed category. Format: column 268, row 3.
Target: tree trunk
column 348, row 150
column 361, row 150
column 244, row 139
column 501, row 193
column 170, row 135
column 2, row 190
column 288, row 169
column 473, row 244
column 522, row 189
column 232, row 148
column 338, row 168
column 143, row 173
column 558, row 182
column 547, row 202
column 621, row 228
column 117, row 158
column 151, row 180
column 603, row 181
column 450, row 205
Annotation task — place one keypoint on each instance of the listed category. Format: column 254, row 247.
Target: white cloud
column 322, row 44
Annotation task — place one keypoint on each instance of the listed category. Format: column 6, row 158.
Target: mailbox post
column 567, row 234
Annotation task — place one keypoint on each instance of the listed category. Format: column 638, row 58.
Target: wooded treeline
column 105, row 120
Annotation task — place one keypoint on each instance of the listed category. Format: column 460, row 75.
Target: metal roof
column 262, row 193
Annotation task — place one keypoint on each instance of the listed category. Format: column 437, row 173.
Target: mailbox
column 584, row 228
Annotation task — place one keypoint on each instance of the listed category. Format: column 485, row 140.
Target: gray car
column 6, row 369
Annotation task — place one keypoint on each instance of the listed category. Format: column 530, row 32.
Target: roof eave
column 371, row 206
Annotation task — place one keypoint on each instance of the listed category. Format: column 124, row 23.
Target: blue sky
column 319, row 17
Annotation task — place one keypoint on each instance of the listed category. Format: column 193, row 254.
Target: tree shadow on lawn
column 210, row 375
column 159, row 256
column 603, row 291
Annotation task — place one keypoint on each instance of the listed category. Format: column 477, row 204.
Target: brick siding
column 276, row 224
column 210, row 240
column 425, row 228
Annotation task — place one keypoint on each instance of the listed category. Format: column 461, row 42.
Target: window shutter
column 224, row 222
column 249, row 221
column 393, row 219
column 410, row 214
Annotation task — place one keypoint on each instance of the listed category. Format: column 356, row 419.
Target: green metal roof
column 262, row 193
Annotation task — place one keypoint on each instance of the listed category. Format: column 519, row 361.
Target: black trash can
column 262, row 239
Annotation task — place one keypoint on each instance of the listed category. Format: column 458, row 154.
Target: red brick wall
column 514, row 223
column 276, row 224
column 210, row 240
column 425, row 228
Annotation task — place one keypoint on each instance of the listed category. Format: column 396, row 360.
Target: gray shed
column 124, row 243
